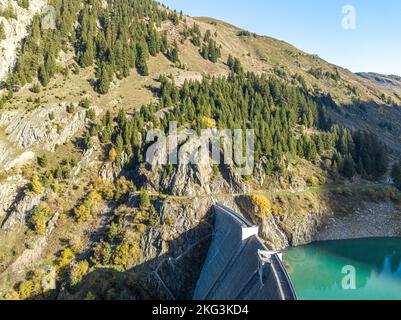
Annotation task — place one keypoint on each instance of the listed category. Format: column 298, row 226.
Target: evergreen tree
column 142, row 56
column 144, row 201
column 348, row 167
column 44, row 76
column 104, row 78
column 42, row 161
column 230, row 62
column 174, row 52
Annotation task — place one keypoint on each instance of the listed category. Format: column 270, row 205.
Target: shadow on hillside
column 380, row 119
column 172, row 275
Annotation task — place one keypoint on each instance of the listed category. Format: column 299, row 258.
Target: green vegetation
column 36, row 185
column 122, row 41
column 65, row 259
column 288, row 124
column 245, row 33
column 40, row 218
column 42, row 161
column 8, row 12
column 71, row 108
column 78, row 272
column 85, row 103
column 3, row 35
column 292, row 130
column 263, row 206
column 23, row 4
column 126, row 254
column 273, row 109
column 144, row 202
column 210, row 50
column 36, row 88
column 89, row 207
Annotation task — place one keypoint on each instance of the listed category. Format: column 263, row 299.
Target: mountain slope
column 81, row 207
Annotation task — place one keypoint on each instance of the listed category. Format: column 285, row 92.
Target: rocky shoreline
column 375, row 220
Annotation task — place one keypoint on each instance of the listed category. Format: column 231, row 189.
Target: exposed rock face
column 391, row 81
column 304, row 232
column 32, row 255
column 279, row 233
column 18, row 161
column 21, row 211
column 376, row 220
column 26, row 129
column 16, row 30
column 194, row 174
column 89, row 159
column 9, row 190
column 111, row 171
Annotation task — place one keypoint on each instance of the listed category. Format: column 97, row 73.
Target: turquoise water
column 363, row 269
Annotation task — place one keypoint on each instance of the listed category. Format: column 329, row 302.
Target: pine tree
column 44, row 76
column 230, row 62
column 153, row 42
column 42, row 161
column 56, row 187
column 112, row 155
column 104, row 79
column 142, row 56
column 237, row 68
column 174, row 53
column 23, row 4
column 144, row 201
column 348, row 167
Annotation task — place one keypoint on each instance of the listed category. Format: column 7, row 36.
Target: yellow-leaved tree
column 263, row 206
column 36, row 185
column 40, row 218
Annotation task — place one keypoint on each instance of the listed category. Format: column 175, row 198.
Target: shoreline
column 375, row 220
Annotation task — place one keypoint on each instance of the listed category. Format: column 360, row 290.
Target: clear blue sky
column 315, row 26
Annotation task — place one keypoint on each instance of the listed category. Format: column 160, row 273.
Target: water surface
column 323, row 270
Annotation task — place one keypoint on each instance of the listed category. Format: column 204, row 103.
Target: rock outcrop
column 194, row 174
column 26, row 129
column 9, row 191
column 21, row 211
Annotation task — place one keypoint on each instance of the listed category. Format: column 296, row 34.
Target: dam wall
column 239, row 266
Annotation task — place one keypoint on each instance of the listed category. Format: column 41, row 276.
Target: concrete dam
column 239, row 266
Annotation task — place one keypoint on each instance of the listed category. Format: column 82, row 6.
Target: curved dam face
column 239, row 266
